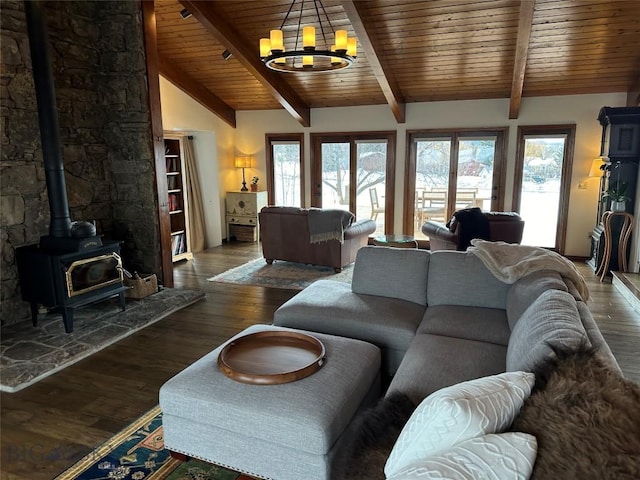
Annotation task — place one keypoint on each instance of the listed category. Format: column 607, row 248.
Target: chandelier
column 306, row 57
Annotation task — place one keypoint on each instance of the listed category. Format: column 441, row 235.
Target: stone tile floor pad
column 29, row 354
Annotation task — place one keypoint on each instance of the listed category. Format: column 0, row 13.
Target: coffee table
column 397, row 241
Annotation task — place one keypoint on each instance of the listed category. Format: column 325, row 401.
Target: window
column 285, row 169
column 451, row 170
column 355, row 172
column 544, row 159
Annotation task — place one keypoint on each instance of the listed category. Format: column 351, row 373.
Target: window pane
column 540, row 194
column 371, row 171
column 475, row 172
column 432, row 180
column 286, row 174
column 335, row 175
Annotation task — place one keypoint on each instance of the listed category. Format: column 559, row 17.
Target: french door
column 451, row 170
column 285, row 169
column 355, row 172
column 544, row 160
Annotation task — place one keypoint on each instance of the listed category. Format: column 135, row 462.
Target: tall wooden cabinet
column 620, row 146
column 177, row 198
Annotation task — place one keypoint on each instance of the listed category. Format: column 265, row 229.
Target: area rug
column 280, row 274
column 138, row 453
column 29, row 354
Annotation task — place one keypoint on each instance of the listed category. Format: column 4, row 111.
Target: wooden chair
column 375, row 206
column 432, row 205
column 465, row 199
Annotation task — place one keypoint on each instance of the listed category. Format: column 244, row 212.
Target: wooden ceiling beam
column 213, row 20
column 195, row 90
column 520, row 63
column 382, row 72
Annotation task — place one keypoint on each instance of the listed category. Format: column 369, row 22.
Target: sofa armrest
column 440, row 237
column 359, row 228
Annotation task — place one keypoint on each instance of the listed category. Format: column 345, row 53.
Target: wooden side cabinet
column 178, row 204
column 243, row 208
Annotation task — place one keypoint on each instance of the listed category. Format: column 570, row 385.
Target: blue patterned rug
column 280, row 274
column 138, row 453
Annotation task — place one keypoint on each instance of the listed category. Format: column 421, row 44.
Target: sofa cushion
column 435, row 361
column 495, row 456
column 392, row 272
column 526, row 290
column 460, row 278
column 328, row 306
column 458, row 413
column 471, row 323
column 551, row 321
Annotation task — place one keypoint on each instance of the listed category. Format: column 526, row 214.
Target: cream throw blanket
column 509, row 262
column 328, row 224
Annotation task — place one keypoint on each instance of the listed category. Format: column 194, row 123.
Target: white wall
column 579, row 109
column 214, row 146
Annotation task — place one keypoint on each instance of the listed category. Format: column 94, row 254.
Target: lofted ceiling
column 408, row 51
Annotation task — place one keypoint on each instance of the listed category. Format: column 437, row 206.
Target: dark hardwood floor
column 48, row 426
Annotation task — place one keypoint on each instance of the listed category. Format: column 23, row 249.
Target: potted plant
column 616, row 194
column 254, row 184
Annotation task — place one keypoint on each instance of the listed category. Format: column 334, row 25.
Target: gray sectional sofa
column 440, row 318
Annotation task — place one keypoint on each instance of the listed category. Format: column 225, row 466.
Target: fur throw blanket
column 585, row 417
column 374, row 432
column 327, row 224
column 510, row 262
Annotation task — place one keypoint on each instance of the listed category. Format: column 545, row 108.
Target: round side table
column 625, row 234
column 397, row 241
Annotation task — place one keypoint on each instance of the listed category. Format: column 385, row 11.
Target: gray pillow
column 552, row 320
column 526, row 290
column 392, row 272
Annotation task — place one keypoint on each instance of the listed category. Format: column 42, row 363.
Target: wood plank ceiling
column 409, row 51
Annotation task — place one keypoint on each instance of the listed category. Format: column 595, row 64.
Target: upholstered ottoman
column 282, row 432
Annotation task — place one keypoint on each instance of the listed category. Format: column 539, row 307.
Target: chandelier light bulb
column 309, row 37
column 265, row 47
column 352, row 47
column 335, row 60
column 341, row 40
column 277, row 44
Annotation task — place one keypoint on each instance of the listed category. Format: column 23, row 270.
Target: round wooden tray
column 272, row 357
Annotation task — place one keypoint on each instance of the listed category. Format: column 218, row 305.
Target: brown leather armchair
column 503, row 226
column 284, row 232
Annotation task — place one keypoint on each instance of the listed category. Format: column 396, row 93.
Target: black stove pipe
column 60, row 225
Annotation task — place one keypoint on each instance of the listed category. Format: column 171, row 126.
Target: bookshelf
column 177, row 199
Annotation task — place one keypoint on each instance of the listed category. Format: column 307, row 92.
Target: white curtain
column 196, row 211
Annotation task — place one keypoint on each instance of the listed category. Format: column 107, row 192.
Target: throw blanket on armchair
column 325, row 224
column 509, row 262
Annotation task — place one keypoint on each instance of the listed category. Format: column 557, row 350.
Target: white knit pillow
column 490, row 457
column 458, row 413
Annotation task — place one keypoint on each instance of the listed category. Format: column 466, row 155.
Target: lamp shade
column 595, row 170
column 243, row 161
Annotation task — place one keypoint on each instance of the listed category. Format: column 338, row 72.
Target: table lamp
column 243, row 161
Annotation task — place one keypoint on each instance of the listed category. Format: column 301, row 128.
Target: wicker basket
column 243, row 233
column 142, row 286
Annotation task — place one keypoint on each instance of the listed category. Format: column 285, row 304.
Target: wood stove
column 71, row 266
column 68, row 280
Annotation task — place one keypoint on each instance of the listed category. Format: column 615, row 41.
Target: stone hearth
column 29, row 354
